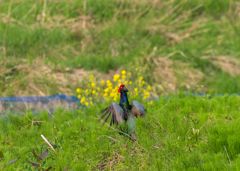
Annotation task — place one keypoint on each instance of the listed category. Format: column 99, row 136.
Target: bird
column 124, row 112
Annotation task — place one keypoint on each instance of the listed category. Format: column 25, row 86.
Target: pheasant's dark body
column 124, row 112
column 124, row 103
column 128, row 115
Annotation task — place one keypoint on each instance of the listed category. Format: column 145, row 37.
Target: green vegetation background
column 62, row 36
column 179, row 133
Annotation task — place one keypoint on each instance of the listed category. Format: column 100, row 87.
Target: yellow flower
column 91, row 77
column 150, row 103
column 129, row 74
column 102, row 83
column 98, row 88
column 119, row 80
column 136, row 69
column 136, row 89
column 142, row 83
column 116, row 77
column 130, row 82
column 123, row 76
column 147, row 93
column 82, row 100
column 90, row 98
column 123, row 72
column 79, row 90
column 105, row 95
column 93, row 85
column 87, row 91
column 106, row 90
column 125, row 82
column 111, row 94
column 140, row 78
column 93, row 92
column 79, row 96
column 96, row 94
column 145, row 97
column 91, row 103
column 109, row 85
column 149, row 87
column 86, row 103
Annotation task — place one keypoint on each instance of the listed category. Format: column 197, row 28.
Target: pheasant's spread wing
column 116, row 113
column 138, row 109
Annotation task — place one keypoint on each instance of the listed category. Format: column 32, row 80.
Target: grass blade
column 1, row 155
column 33, row 163
column 44, row 154
column 11, row 162
column 34, row 154
column 45, row 139
column 48, row 168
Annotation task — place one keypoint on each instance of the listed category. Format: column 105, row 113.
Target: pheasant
column 124, row 112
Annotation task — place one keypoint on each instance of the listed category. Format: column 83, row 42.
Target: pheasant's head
column 122, row 88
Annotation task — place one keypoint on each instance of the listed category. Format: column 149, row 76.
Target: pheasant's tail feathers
column 108, row 115
column 104, row 112
column 116, row 113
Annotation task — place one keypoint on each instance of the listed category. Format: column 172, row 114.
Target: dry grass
column 65, row 80
column 37, row 73
column 172, row 74
column 227, row 64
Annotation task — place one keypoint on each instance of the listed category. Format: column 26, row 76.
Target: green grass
column 179, row 133
column 120, row 34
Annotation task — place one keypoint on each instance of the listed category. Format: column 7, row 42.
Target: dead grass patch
column 38, row 78
column 226, row 63
column 169, row 75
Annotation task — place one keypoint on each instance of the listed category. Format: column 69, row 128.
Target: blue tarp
column 19, row 105
column 44, row 99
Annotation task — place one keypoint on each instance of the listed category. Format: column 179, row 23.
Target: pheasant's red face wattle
column 120, row 88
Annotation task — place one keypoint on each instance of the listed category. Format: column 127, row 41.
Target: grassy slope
column 179, row 133
column 109, row 34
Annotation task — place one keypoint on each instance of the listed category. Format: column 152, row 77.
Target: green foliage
column 110, row 34
column 180, row 132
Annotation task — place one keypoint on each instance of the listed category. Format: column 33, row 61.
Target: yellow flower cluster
column 109, row 90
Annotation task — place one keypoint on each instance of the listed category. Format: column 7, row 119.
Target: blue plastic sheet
column 19, row 105
column 44, row 99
